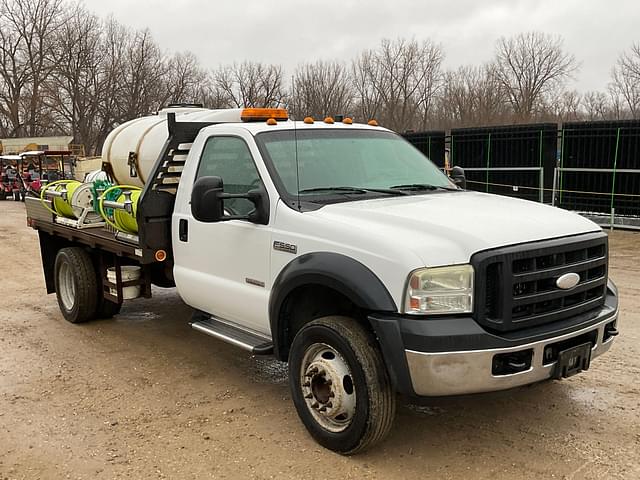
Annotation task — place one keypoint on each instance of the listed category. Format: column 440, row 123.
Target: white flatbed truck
column 339, row 248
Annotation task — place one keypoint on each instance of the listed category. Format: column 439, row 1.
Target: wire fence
column 588, row 167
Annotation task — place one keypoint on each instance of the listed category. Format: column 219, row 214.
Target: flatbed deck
column 95, row 237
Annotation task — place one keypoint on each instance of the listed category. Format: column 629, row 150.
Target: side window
column 230, row 159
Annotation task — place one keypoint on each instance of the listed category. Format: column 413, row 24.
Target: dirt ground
column 144, row 396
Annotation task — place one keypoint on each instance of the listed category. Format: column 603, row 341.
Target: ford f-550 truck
column 339, row 248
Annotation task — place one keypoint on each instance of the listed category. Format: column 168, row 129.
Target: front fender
column 339, row 272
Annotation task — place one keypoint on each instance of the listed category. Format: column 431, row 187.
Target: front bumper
column 439, row 357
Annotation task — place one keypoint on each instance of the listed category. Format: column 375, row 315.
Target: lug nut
column 315, row 405
column 323, row 409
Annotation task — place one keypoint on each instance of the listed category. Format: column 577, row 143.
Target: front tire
column 340, row 386
column 76, row 286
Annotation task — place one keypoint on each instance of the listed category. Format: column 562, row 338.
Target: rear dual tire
column 78, row 289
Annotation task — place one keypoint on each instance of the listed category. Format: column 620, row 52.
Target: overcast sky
column 288, row 32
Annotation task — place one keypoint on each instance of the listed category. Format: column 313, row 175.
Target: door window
column 230, row 159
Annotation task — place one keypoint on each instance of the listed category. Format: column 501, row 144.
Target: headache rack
column 516, row 286
column 155, row 206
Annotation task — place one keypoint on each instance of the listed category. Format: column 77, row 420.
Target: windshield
column 330, row 160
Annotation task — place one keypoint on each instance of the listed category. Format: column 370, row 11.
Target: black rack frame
column 156, row 203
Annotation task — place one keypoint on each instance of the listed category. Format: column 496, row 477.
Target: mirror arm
column 222, row 196
column 225, row 218
column 256, row 216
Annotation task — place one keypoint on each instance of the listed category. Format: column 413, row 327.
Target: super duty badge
column 285, row 247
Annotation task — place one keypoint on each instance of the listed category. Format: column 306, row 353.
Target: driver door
column 225, row 266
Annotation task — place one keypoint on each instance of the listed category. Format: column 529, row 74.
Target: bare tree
column 185, row 79
column 115, row 41
column 62, row 69
column 471, row 96
column 26, row 59
column 34, row 23
column 625, row 79
column 369, row 98
column 210, row 94
column 398, row 82
column 252, row 84
column 141, row 87
column 76, row 87
column 15, row 74
column 530, row 67
column 321, row 89
column 597, row 106
column 565, row 106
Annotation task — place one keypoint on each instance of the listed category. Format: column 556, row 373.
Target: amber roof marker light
column 372, row 123
column 347, row 121
column 308, row 120
column 328, row 120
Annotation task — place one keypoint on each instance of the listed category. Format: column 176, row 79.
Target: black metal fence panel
column 590, row 167
column 432, row 144
column 597, row 162
column 514, row 160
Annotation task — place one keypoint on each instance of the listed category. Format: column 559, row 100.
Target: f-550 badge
column 285, row 247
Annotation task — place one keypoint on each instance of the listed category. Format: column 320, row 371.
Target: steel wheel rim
column 327, row 387
column 67, row 286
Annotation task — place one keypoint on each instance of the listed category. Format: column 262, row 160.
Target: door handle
column 183, row 230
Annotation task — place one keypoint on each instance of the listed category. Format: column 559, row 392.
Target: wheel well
column 306, row 303
column 50, row 245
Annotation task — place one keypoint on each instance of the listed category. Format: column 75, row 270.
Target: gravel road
column 144, row 396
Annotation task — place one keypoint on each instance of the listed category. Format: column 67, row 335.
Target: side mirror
column 458, row 177
column 207, row 202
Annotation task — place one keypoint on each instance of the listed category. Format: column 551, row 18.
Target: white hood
column 444, row 228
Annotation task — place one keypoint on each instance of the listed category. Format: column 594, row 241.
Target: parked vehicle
column 10, row 185
column 338, row 248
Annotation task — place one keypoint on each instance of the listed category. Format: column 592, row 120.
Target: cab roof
column 258, row 127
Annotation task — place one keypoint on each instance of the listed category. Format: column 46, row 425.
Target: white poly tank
column 143, row 139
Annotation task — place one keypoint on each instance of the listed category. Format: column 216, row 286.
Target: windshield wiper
column 356, row 190
column 421, row 186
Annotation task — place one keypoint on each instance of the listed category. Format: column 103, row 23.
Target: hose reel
column 72, row 203
column 118, row 206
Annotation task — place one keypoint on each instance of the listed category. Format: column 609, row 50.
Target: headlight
column 440, row 290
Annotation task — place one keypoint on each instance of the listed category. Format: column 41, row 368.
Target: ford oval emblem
column 567, row 281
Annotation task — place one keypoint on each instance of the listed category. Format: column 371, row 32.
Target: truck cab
column 339, row 248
